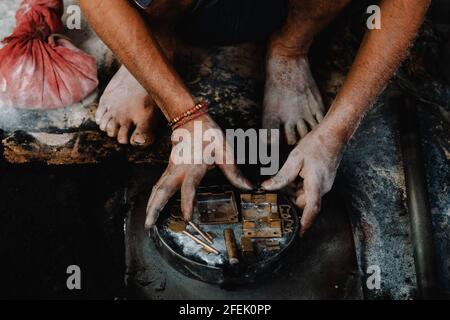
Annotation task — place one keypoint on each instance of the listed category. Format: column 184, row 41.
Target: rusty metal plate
column 217, row 208
column 261, row 216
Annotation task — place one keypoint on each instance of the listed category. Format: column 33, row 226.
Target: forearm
column 123, row 29
column 379, row 56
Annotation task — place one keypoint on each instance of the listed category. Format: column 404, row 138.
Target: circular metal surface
column 189, row 258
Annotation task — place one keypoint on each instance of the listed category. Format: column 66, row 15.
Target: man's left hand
column 315, row 159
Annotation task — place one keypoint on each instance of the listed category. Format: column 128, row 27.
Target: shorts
column 225, row 22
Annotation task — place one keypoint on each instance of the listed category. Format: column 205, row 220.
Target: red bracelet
column 197, row 110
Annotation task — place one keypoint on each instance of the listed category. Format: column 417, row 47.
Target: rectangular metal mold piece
column 260, row 215
column 217, row 208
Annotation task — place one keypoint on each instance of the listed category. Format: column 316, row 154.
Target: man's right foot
column 127, row 112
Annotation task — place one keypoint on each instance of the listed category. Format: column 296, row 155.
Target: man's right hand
column 187, row 177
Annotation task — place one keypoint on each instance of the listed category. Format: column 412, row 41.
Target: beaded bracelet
column 190, row 114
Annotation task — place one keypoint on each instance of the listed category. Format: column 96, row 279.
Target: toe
column 142, row 136
column 302, row 129
column 122, row 136
column 319, row 117
column 312, row 122
column 112, row 128
column 291, row 135
column 105, row 120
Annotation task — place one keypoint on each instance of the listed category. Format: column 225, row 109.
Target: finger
column 161, row 194
column 234, row 175
column 231, row 170
column 112, row 128
column 291, row 134
column 300, row 201
column 302, row 129
column 288, row 173
column 188, row 192
column 122, row 136
column 309, row 216
column 312, row 201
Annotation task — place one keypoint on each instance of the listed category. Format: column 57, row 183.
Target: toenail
column 138, row 139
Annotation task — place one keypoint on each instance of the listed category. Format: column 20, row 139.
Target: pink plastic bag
column 40, row 69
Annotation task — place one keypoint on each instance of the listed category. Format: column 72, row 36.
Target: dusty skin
column 316, row 158
column 126, row 106
column 292, row 101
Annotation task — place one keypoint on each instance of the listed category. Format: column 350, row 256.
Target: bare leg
column 292, row 101
column 126, row 109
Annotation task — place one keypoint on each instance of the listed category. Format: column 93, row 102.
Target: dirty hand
column 187, row 177
column 315, row 159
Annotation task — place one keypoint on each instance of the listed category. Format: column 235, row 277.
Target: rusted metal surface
column 217, row 208
column 187, row 257
column 261, row 216
column 232, row 248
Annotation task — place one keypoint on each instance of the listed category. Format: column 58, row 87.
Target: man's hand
column 315, row 160
column 187, row 177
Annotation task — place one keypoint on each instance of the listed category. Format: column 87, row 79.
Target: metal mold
column 260, row 215
column 217, row 208
column 258, row 257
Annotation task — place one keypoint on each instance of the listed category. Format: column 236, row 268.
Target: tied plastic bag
column 39, row 68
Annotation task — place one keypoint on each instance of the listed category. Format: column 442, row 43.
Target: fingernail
column 266, row 185
column 149, row 224
column 250, row 185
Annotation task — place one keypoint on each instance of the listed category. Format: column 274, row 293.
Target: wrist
column 188, row 115
column 204, row 118
column 341, row 121
column 331, row 134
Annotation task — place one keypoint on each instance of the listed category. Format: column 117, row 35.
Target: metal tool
column 179, row 226
column 217, row 207
column 200, row 242
column 204, row 235
column 230, row 243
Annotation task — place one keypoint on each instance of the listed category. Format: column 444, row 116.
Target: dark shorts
column 233, row 21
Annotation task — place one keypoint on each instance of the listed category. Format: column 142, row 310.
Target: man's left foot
column 292, row 101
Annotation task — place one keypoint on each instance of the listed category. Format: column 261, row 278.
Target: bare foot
column 126, row 106
column 292, row 101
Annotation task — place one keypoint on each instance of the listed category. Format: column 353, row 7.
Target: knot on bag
column 36, row 74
